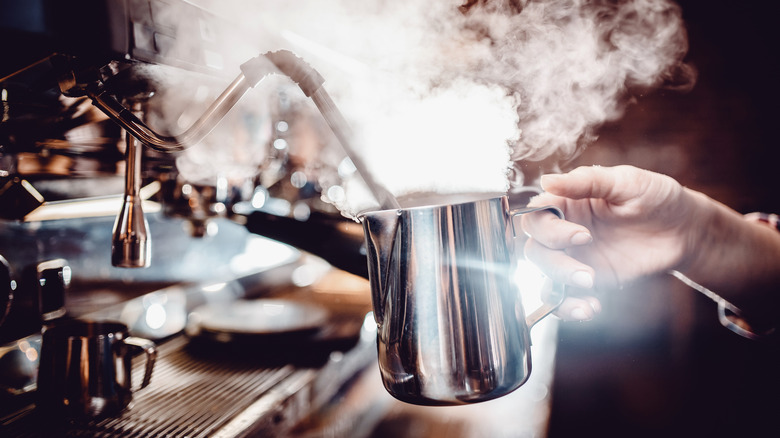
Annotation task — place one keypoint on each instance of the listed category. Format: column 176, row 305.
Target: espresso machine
column 102, row 216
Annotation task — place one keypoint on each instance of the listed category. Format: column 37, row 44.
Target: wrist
column 736, row 259
column 704, row 224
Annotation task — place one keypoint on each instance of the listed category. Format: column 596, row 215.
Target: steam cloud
column 448, row 97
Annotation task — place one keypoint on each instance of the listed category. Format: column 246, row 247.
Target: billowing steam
column 572, row 63
column 447, row 96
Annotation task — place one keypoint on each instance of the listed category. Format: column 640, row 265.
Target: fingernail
column 579, row 314
column 581, row 238
column 582, row 279
column 595, row 304
column 548, row 179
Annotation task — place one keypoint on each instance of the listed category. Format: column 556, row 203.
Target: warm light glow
column 216, row 287
column 67, row 274
column 271, row 309
column 298, row 179
column 369, row 327
column 222, row 187
column 259, row 197
column 531, row 282
column 280, row 144
column 155, row 316
column 346, row 168
column 336, row 194
column 31, row 354
column 301, row 211
column 458, row 138
column 306, row 275
column 261, row 253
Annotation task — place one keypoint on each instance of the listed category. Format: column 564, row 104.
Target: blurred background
column 656, row 362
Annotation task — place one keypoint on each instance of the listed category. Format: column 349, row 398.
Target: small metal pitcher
column 451, row 324
column 86, row 367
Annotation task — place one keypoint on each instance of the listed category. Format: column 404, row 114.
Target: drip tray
column 223, row 394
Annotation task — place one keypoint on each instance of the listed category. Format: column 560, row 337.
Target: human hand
column 621, row 223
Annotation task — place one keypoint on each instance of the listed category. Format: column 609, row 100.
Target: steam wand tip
column 131, row 245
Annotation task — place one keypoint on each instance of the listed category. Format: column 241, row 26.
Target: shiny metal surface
column 7, row 287
column 268, row 316
column 85, row 369
column 252, row 72
column 194, row 134
column 131, row 243
column 451, row 324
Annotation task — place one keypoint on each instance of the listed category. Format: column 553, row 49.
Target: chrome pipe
column 340, row 128
column 193, row 135
column 131, row 245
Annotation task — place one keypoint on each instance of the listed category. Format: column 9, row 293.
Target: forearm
column 734, row 258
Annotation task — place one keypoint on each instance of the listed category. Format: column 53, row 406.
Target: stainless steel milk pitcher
column 86, row 367
column 451, row 324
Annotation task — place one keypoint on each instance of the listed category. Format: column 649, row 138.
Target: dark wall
column 656, row 362
column 722, row 136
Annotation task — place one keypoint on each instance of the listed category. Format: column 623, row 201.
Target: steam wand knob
column 131, row 242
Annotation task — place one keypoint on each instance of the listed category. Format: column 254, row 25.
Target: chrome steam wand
column 252, row 72
column 131, row 243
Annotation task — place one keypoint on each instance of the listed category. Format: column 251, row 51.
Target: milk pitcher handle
column 150, row 350
column 558, row 292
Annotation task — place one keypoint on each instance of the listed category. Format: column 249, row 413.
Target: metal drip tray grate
column 191, row 398
column 199, row 395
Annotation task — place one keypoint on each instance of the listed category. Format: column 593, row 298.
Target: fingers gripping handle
column 558, row 292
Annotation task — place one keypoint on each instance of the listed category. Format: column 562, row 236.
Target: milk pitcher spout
column 381, row 232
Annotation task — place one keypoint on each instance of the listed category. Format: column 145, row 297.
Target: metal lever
column 131, row 243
